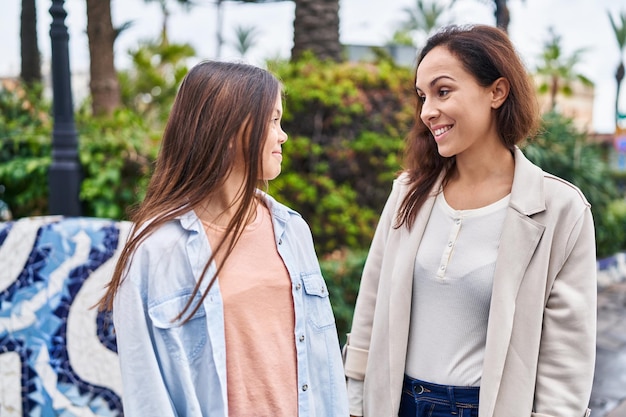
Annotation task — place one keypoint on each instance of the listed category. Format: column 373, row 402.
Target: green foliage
column 558, row 71
column 150, row 86
column 342, row 272
column 563, row 151
column 346, row 124
column 619, row 29
column 402, row 37
column 424, row 17
column 116, row 156
column 331, row 209
column 246, row 38
column 611, row 228
column 25, row 131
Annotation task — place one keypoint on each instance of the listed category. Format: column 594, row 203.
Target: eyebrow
column 435, row 80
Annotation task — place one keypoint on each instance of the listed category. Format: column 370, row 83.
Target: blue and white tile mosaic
column 57, row 352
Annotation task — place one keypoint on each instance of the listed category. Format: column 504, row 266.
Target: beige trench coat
column 540, row 350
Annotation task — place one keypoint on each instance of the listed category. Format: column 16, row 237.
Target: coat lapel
column 520, row 237
column 401, row 295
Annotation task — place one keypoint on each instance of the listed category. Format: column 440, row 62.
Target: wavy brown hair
column 220, row 110
column 487, row 53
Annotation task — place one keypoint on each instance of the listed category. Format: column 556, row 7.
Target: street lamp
column 64, row 174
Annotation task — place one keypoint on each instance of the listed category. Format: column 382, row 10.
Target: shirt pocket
column 184, row 339
column 316, row 301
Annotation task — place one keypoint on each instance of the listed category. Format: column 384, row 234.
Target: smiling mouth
column 441, row 130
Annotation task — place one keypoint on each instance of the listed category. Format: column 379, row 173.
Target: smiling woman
column 477, row 240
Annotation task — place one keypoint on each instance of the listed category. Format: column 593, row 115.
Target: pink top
column 259, row 323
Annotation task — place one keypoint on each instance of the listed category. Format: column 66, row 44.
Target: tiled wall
column 57, row 353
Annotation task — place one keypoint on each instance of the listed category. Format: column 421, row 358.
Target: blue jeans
column 423, row 399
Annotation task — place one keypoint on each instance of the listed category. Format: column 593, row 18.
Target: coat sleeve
column 568, row 342
column 357, row 348
column 144, row 391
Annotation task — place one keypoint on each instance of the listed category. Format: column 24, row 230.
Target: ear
column 499, row 92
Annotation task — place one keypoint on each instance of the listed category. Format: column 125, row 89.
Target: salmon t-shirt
column 259, row 323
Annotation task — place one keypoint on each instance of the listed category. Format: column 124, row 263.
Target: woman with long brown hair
column 478, row 297
column 219, row 305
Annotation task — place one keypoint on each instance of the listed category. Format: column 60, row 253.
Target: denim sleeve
column 144, row 390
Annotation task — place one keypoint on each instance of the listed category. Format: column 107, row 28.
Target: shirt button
column 298, row 286
column 305, row 387
column 442, row 267
column 449, row 244
column 457, row 221
column 301, row 338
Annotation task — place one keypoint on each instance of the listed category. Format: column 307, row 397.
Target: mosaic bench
column 57, row 352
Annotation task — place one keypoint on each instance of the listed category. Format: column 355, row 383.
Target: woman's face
column 272, row 152
column 458, row 111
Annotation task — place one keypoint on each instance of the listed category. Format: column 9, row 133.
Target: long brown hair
column 221, row 110
column 487, row 53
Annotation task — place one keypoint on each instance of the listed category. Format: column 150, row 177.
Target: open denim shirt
column 169, row 369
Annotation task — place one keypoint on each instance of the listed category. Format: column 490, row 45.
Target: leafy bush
column 342, row 270
column 25, row 131
column 565, row 152
column 346, row 124
column 115, row 155
column 149, row 87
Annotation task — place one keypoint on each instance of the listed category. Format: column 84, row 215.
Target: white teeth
column 441, row 131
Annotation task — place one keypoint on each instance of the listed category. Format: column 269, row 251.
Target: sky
column 582, row 24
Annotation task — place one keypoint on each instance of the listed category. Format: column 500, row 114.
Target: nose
column 283, row 136
column 429, row 111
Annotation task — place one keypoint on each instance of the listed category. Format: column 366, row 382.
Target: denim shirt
column 174, row 369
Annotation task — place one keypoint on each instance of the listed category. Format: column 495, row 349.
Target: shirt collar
column 280, row 213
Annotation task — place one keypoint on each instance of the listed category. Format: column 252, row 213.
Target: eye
column 443, row 92
column 421, row 98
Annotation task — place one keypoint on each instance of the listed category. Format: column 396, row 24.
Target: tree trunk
column 30, row 71
column 104, row 85
column 316, row 28
column 502, row 15
column 166, row 16
column 554, row 90
column 619, row 77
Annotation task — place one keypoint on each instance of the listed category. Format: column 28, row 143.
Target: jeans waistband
column 468, row 395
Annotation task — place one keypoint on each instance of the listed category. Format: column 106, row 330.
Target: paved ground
column 608, row 398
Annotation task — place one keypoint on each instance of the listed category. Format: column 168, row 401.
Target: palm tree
column 166, row 14
column 503, row 16
column 103, row 83
column 422, row 18
column 246, row 39
column 316, row 29
column 501, row 12
column 620, row 35
column 558, row 71
column 30, row 71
